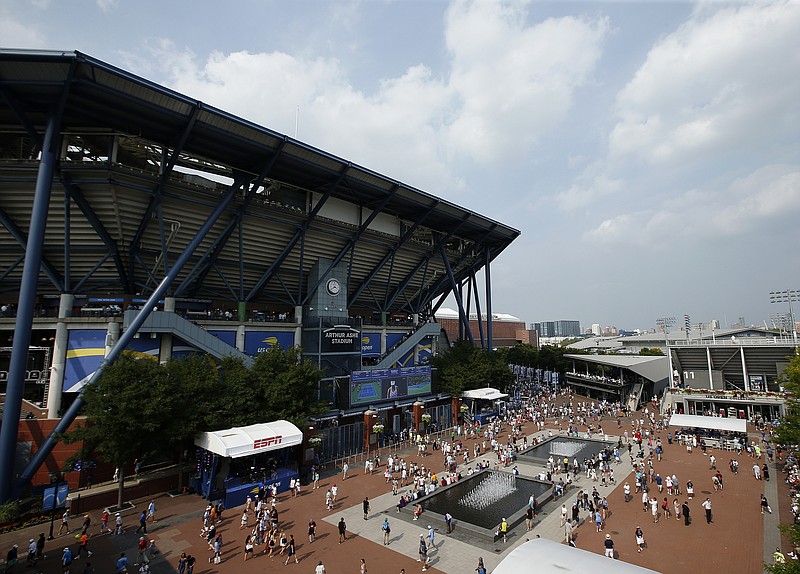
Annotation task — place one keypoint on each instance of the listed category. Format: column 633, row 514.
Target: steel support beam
column 461, row 314
column 77, row 196
column 23, row 240
column 259, row 286
column 437, row 248
column 375, row 270
column 27, row 300
column 350, row 245
column 478, row 309
column 155, row 200
column 488, row 274
column 160, row 291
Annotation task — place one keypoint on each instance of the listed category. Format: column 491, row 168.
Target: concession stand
column 233, row 463
column 485, row 404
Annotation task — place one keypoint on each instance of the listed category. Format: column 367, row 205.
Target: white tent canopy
column 254, row 439
column 487, row 394
column 548, row 557
column 716, row 423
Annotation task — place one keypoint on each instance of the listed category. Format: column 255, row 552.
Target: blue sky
column 648, row 152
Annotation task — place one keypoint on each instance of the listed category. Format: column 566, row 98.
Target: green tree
column 651, row 352
column 465, row 367
column 788, row 433
column 287, row 385
column 193, row 383
column 125, row 416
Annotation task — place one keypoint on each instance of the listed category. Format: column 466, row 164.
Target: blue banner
column 228, row 337
column 370, row 344
column 85, row 352
column 256, row 342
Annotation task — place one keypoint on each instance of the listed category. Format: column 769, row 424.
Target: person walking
column 687, row 519
column 448, row 520
column 365, row 505
column 423, row 552
column 609, row 547
column 40, row 542
column 66, row 559
column 151, row 511
column 122, row 564
column 320, row 569
column 312, row 530
column 182, row 563
column 342, row 526
column 707, row 506
column 291, row 551
column 431, row 536
column 64, row 523
column 639, row 535
column 386, row 531
column 118, row 524
column 363, row 567
column 142, row 523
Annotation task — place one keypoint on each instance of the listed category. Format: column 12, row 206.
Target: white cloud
column 721, row 82
column 509, row 84
column 15, row 33
column 767, row 195
column 514, row 82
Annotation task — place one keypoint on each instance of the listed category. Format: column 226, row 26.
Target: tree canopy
column 788, row 433
column 464, row 367
column 138, row 408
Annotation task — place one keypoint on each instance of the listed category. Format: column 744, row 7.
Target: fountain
column 561, row 447
column 568, row 448
column 479, row 502
column 491, row 489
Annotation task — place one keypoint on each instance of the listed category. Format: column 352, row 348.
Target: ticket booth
column 239, row 461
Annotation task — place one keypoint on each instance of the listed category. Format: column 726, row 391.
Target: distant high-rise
column 596, row 329
column 558, row 328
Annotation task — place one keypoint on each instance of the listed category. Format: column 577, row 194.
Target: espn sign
column 269, row 441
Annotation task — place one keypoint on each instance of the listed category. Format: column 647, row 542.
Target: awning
column 551, row 557
column 487, row 393
column 253, row 439
column 716, row 423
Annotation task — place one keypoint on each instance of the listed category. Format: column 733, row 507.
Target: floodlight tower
column 787, row 296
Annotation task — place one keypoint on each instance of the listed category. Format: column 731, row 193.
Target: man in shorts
column 609, row 546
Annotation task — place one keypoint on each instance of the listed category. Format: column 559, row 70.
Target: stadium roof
column 145, row 165
column 653, row 368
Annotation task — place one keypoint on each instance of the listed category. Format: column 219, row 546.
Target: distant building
column 596, row 329
column 558, row 328
column 505, row 328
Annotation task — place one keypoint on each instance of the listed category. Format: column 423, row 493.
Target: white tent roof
column 717, row 423
column 549, row 557
column 486, row 393
column 253, row 439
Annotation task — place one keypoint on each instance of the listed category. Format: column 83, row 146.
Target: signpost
column 55, row 496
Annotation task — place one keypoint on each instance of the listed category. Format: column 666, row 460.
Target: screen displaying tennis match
column 388, row 384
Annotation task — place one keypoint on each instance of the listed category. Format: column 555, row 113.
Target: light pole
column 787, row 296
column 665, row 323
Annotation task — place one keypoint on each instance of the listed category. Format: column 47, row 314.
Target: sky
column 648, row 152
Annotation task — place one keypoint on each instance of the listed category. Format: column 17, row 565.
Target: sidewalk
column 735, row 542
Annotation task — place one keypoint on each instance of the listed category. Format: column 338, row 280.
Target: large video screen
column 388, row 384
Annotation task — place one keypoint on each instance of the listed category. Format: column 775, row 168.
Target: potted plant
column 463, row 409
column 315, row 441
column 426, row 418
column 377, row 428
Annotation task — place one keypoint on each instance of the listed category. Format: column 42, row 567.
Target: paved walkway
column 738, row 540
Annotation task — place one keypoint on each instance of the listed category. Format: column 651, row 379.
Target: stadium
column 134, row 217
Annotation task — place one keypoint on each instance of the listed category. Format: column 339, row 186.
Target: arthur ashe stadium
column 134, row 217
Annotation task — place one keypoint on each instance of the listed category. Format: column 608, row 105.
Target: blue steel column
column 489, row 344
column 27, row 300
column 464, row 319
column 160, row 291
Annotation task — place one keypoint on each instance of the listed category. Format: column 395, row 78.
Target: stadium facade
column 134, row 217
